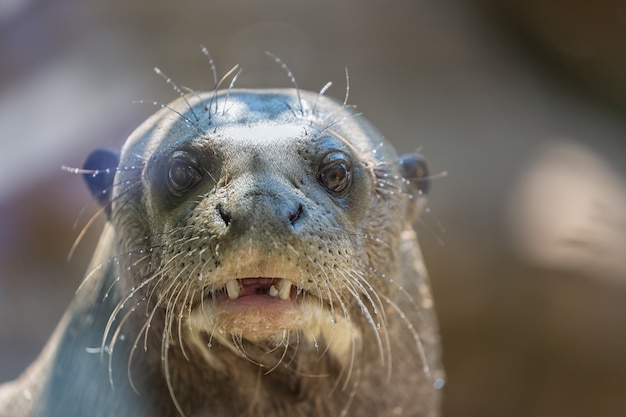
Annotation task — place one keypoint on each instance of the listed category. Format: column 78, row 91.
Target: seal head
column 260, row 259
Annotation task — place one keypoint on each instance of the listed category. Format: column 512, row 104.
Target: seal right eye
column 183, row 175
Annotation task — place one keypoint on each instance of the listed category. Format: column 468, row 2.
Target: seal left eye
column 335, row 174
column 182, row 176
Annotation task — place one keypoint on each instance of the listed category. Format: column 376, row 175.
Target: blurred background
column 522, row 102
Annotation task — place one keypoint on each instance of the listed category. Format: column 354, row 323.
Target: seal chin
column 260, row 319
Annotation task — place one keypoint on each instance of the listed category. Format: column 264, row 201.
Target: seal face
column 262, row 210
column 260, row 260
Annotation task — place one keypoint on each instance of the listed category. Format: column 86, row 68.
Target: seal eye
column 335, row 173
column 182, row 176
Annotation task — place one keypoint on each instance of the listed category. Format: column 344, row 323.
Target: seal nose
column 224, row 214
column 296, row 215
column 260, row 211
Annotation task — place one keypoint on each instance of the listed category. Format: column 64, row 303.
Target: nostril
column 225, row 216
column 295, row 216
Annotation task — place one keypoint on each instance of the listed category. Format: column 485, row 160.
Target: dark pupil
column 334, row 177
column 181, row 175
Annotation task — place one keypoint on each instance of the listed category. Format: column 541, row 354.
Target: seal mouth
column 257, row 307
column 248, row 288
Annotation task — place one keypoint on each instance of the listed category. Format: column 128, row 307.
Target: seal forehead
column 250, row 106
column 263, row 132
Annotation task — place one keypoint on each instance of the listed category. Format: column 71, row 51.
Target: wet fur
column 143, row 336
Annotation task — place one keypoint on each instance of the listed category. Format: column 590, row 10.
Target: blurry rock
column 568, row 212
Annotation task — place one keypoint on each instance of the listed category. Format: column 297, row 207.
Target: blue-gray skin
column 260, row 259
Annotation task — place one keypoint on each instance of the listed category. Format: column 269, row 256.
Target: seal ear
column 414, row 170
column 102, row 163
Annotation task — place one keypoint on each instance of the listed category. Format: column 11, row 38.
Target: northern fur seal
column 260, row 259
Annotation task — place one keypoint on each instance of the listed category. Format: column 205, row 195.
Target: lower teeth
column 273, row 291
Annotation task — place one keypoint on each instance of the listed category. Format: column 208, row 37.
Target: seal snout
column 262, row 211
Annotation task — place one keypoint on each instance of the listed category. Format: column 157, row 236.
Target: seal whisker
column 400, row 186
column 364, row 287
column 206, row 53
column 160, row 277
column 346, row 373
column 380, row 327
column 211, row 334
column 134, row 290
column 318, row 287
column 239, row 343
column 165, row 347
column 295, row 348
column 113, row 315
column 92, row 273
column 102, row 210
column 332, row 118
column 333, row 316
column 285, row 343
column 188, row 122
column 352, row 287
column 228, row 91
column 350, row 231
column 111, row 346
column 418, row 341
column 317, row 100
column 291, row 77
column 112, row 284
column 234, row 70
column 194, row 93
column 131, row 355
column 192, row 290
column 150, row 315
column 224, row 77
column 126, row 195
column 170, row 295
column 368, row 290
column 120, row 305
column 172, row 306
column 83, row 232
column 180, row 93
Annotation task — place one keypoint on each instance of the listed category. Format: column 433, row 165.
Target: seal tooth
column 273, row 291
column 284, row 289
column 232, row 288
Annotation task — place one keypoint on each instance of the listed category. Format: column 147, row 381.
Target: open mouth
column 257, row 307
column 245, row 288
